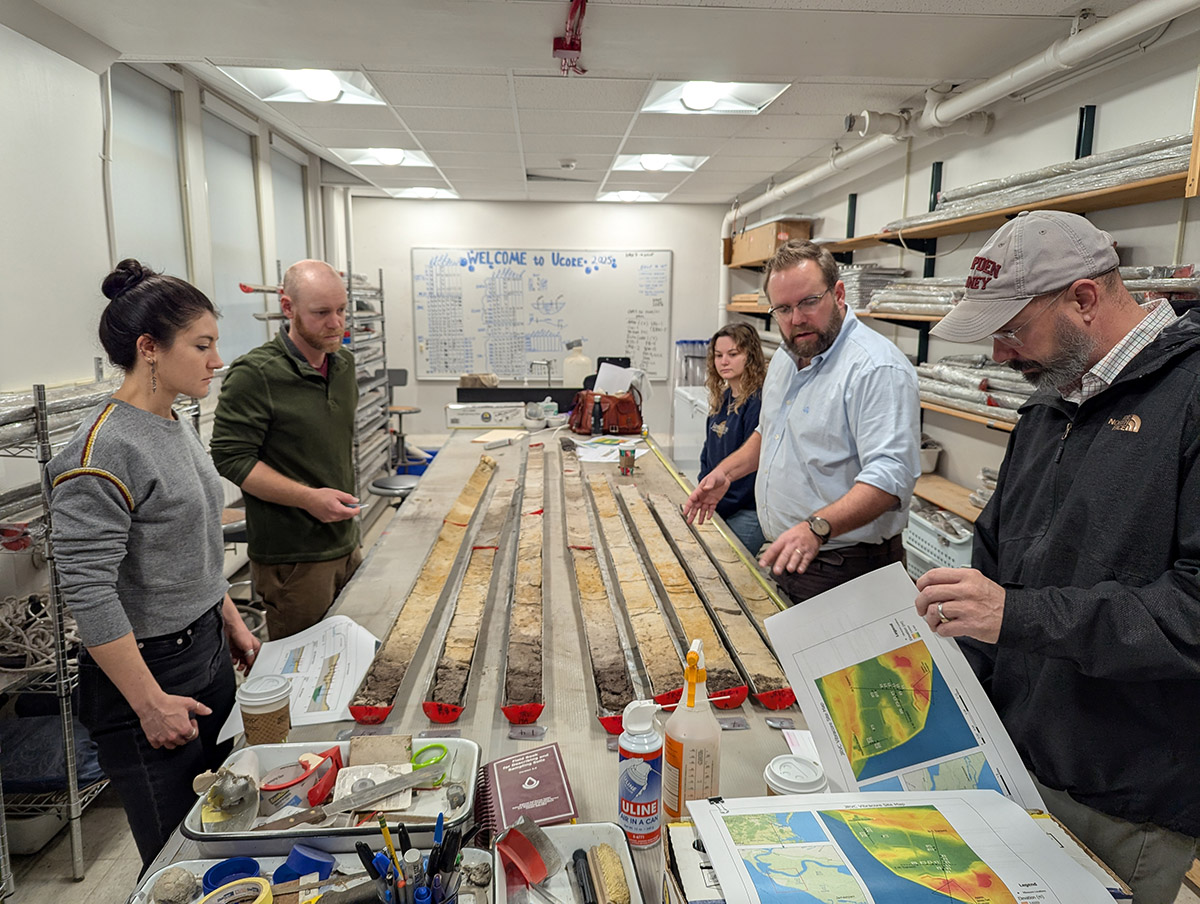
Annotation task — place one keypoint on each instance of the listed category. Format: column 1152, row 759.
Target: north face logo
column 1131, row 423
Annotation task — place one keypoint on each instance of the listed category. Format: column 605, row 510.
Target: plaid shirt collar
column 1159, row 316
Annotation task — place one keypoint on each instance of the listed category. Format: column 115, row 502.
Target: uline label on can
column 640, row 781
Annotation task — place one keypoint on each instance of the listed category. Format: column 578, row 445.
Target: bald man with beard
column 284, row 433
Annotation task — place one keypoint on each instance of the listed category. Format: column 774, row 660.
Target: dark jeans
column 155, row 786
column 837, row 566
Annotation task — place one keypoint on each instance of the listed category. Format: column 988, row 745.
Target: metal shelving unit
column 62, row 681
column 368, row 342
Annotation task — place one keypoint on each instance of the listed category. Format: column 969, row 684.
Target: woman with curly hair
column 736, row 369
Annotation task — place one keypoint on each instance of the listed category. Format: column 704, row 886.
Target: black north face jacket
column 1094, row 529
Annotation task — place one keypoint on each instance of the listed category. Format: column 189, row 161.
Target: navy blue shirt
column 727, row 430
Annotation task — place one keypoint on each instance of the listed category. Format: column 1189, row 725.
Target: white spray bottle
column 692, row 751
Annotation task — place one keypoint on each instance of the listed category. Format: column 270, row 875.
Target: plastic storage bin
column 415, row 468
column 463, row 758
column 934, row 545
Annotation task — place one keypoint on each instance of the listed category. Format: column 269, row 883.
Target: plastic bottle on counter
column 640, row 777
column 576, row 365
column 692, row 751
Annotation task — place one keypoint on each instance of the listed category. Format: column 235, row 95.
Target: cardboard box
column 485, row 415
column 755, row 246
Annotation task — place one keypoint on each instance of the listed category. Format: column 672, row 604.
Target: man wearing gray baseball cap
column 1082, row 613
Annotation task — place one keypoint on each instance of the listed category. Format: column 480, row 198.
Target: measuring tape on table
column 241, row 891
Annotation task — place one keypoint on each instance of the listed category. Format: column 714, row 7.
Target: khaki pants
column 298, row 594
column 1151, row 859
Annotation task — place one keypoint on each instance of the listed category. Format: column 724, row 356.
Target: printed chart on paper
column 973, row 847
column 891, row 705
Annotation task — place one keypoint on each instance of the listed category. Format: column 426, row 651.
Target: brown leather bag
column 620, row 413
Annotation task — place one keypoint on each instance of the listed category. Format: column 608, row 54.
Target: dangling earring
column 153, row 378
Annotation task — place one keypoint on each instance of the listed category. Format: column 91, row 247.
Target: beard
column 807, row 349
column 1075, row 350
column 316, row 340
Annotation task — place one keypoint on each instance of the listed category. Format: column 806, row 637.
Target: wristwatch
column 820, row 528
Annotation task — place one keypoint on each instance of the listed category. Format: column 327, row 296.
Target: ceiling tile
column 338, row 116
column 580, row 94
column 485, row 159
column 458, row 119
column 773, row 147
column 484, row 173
column 418, row 179
column 568, row 145
column 364, row 138
column 666, row 125
column 685, row 147
column 743, row 164
column 441, row 89
column 828, row 126
column 466, row 141
column 569, row 122
column 561, row 191
column 582, row 161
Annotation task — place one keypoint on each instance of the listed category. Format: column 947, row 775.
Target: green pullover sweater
column 278, row 409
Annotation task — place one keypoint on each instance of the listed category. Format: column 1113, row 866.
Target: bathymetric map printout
column 892, row 706
column 974, row 847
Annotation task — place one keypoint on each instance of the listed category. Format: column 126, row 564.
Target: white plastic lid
column 791, row 774
column 639, row 716
column 264, row 689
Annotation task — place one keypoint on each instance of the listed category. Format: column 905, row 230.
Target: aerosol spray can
column 640, row 776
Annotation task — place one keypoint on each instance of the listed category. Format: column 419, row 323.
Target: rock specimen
column 392, row 659
column 664, row 668
column 454, row 666
column 747, row 645
column 689, row 608
column 614, row 688
column 523, row 664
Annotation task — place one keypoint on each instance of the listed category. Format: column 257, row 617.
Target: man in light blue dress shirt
column 838, row 440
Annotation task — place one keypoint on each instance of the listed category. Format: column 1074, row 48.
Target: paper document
column 968, row 846
column 610, row 378
column 324, row 663
column 893, row 706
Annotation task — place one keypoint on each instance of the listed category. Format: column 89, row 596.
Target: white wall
column 53, row 245
column 386, row 230
column 1148, row 97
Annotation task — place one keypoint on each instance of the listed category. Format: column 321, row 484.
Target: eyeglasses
column 1010, row 338
column 784, row 312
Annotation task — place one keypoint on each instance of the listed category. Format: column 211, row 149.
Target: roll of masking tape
column 241, row 891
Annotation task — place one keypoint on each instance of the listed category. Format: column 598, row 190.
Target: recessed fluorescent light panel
column 305, row 86
column 629, row 196
column 736, row 98
column 422, row 193
column 382, row 157
column 658, row 163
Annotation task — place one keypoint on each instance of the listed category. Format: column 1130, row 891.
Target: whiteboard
column 494, row 310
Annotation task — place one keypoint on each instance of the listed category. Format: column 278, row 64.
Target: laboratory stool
column 399, row 452
column 396, row 486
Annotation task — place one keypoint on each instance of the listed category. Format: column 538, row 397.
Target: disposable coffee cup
column 266, row 709
column 791, row 774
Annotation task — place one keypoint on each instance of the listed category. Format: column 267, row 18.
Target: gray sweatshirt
column 136, row 507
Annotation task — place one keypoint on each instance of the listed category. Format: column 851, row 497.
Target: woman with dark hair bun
column 736, row 370
column 136, row 510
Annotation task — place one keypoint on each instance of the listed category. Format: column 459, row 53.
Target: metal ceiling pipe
column 942, row 110
column 838, row 160
column 1063, row 54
